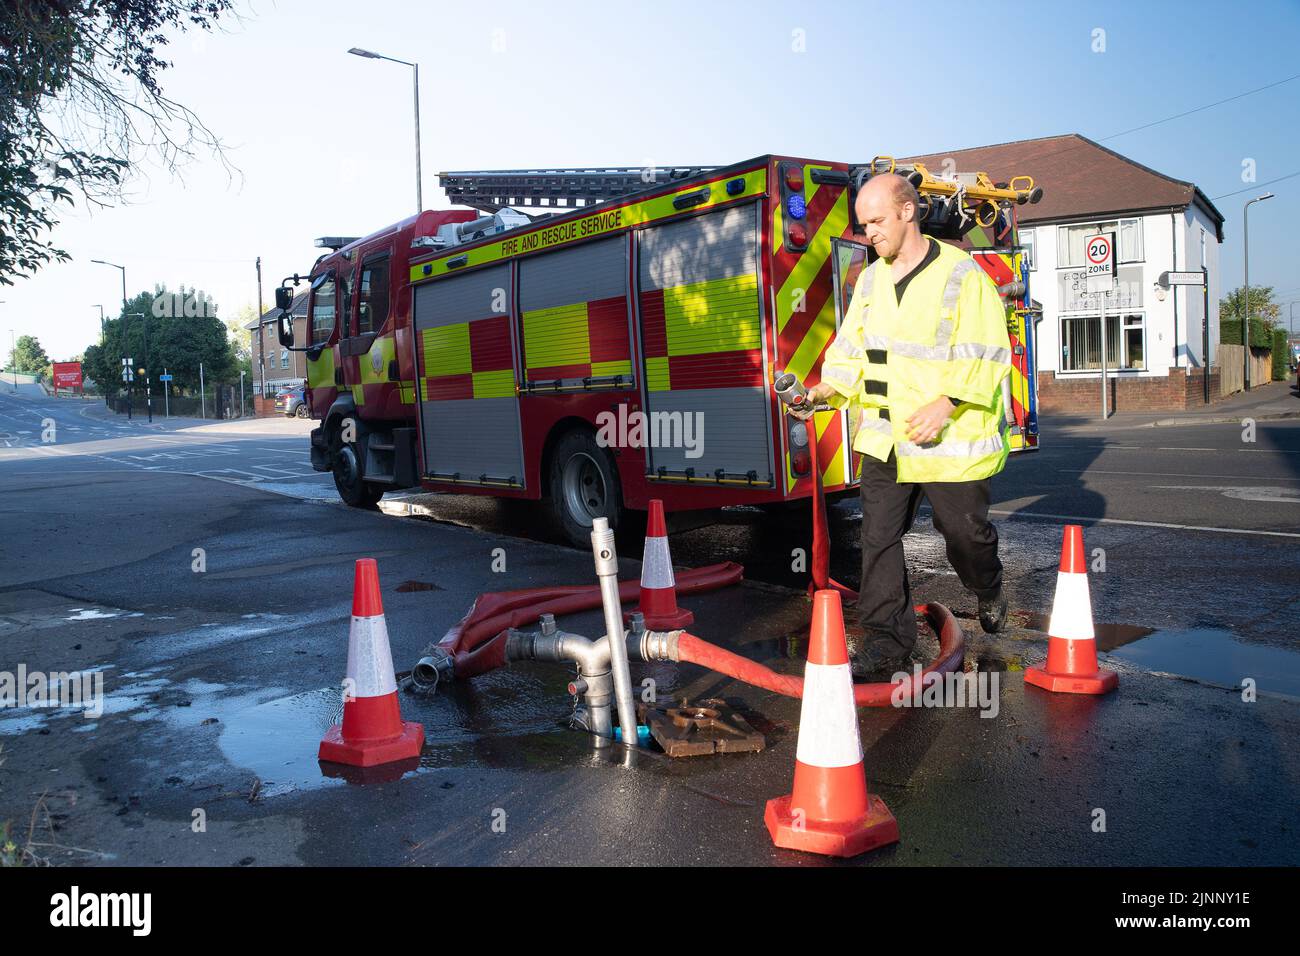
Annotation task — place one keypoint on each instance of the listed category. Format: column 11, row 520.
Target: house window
column 1081, row 343
column 284, row 358
column 1069, row 241
column 1026, row 239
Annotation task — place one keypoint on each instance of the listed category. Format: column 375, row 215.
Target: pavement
column 213, row 596
column 1271, row 402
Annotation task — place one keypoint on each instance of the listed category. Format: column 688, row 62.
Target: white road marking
column 1168, row 474
column 1186, row 449
column 1262, row 493
column 1084, row 519
column 1270, row 451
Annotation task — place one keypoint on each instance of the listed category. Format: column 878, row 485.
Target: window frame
column 368, row 262
column 329, row 275
column 1106, row 225
column 1030, row 248
column 1129, row 319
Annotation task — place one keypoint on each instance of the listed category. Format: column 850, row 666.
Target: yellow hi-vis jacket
column 948, row 337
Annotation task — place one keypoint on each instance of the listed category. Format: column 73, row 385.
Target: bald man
column 919, row 360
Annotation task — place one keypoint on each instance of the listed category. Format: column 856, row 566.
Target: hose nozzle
column 791, row 391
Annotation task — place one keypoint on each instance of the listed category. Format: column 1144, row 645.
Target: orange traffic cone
column 372, row 731
column 1071, row 666
column 830, row 810
column 658, row 586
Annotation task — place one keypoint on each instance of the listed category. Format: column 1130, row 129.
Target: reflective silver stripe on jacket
column 939, row 353
column 951, row 449
column 952, row 291
column 880, row 425
column 867, row 282
column 845, row 377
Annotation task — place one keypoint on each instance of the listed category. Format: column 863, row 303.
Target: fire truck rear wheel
column 583, row 485
column 349, row 483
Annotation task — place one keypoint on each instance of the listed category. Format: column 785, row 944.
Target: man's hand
column 816, row 395
column 927, row 421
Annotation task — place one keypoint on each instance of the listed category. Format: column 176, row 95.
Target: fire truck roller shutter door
column 574, row 309
column 469, row 411
column 701, row 315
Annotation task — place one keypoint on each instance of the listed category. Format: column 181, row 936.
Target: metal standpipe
column 602, row 664
column 602, row 546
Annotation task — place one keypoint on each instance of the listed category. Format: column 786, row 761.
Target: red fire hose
column 951, row 650
column 477, row 643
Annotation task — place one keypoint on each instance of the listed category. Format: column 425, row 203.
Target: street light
column 101, row 262
column 415, row 77
column 148, row 379
column 1245, row 325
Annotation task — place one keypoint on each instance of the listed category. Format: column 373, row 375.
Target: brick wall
column 1181, row 389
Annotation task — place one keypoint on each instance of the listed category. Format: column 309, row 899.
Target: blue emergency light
column 796, row 206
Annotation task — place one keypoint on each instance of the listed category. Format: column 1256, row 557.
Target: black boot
column 993, row 613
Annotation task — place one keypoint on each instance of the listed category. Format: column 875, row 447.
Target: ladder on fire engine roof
column 566, row 188
column 970, row 196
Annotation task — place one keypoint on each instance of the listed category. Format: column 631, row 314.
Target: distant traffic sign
column 164, row 378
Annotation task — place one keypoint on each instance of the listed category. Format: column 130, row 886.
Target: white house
column 1156, row 338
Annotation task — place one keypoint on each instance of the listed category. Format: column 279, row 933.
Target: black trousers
column 961, row 515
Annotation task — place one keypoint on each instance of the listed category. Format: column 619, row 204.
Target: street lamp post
column 415, row 82
column 1245, row 308
column 125, row 325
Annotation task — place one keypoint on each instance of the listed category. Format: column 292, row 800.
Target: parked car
column 291, row 401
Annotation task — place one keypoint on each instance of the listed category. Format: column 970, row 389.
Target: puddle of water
column 278, row 740
column 1109, row 636
column 1218, row 657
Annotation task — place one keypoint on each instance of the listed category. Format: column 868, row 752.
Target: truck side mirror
column 284, row 298
column 284, row 329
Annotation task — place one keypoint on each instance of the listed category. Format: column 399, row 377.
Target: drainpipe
column 1173, row 289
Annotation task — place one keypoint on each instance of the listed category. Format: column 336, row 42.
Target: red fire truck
column 620, row 343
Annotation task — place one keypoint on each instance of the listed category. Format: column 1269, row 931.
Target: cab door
column 322, row 330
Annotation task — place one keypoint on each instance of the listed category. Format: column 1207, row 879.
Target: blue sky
column 323, row 140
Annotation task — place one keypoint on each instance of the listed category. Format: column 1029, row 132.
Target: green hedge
column 1230, row 333
column 1281, row 356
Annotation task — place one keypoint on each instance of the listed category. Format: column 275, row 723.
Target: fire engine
column 620, row 342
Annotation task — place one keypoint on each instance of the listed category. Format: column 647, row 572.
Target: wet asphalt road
column 220, row 682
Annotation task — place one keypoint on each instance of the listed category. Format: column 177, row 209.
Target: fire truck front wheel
column 349, row 483
column 583, row 486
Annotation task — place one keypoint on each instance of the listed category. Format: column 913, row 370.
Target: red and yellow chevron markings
column 805, row 310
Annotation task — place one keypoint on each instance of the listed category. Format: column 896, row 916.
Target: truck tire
column 583, row 485
column 352, row 488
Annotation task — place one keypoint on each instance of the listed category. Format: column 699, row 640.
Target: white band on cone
column 370, row 662
column 657, row 565
column 828, row 720
column 1071, row 609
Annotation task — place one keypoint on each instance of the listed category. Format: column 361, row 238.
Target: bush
column 1281, row 356
column 1260, row 334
